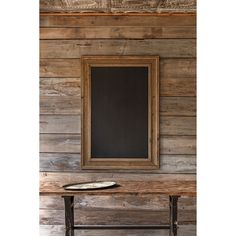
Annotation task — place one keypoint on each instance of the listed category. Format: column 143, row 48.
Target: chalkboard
column 119, row 112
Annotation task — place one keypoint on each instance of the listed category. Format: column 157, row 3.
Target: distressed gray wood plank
column 58, row 230
column 178, row 106
column 72, row 124
column 169, row 68
column 120, row 202
column 47, row 178
column 117, row 21
column 118, row 32
column 60, row 68
column 171, row 106
column 103, row 217
column 60, row 143
column 75, row 48
column 71, row 143
column 68, row 162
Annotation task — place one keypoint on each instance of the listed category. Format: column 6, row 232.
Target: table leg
column 69, row 215
column 173, row 215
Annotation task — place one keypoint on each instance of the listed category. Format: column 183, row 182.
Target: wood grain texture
column 169, row 125
column 60, row 68
column 68, row 162
column 118, row 32
column 58, row 230
column 117, row 21
column 56, row 217
column 48, row 178
column 119, row 202
column 169, row 68
column 170, row 106
column 60, row 143
column 71, row 143
column 75, row 48
column 178, row 106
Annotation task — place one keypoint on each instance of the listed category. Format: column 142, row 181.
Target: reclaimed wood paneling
column 171, row 106
column 60, row 124
column 48, row 178
column 60, row 143
column 60, row 68
column 72, row 124
column 59, row 105
column 116, row 21
column 178, row 106
column 64, row 40
column 71, row 143
column 106, row 217
column 169, row 68
column 60, row 87
column 59, row 230
column 120, row 202
column 118, row 32
column 68, row 162
column 75, row 48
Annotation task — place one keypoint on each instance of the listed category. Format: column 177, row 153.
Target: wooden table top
column 173, row 187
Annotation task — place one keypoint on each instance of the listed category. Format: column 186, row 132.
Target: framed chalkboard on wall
column 120, row 112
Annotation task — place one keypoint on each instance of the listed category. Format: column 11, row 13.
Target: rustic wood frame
column 152, row 162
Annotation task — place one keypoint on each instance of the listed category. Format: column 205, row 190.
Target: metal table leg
column 173, row 215
column 69, row 215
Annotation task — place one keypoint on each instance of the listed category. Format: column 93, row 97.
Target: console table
column 173, row 189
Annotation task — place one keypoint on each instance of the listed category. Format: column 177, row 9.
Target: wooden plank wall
column 63, row 40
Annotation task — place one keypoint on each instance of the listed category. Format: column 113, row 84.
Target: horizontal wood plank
column 75, row 48
column 71, row 143
column 60, row 68
column 59, row 230
column 169, row 68
column 56, row 217
column 60, row 143
column 68, row 162
column 48, row 178
column 94, row 21
column 170, row 106
column 118, row 32
column 72, row 124
column 178, row 106
column 119, row 202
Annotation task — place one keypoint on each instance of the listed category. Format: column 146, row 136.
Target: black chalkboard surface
column 119, row 112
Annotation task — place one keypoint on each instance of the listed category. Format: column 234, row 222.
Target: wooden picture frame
column 89, row 64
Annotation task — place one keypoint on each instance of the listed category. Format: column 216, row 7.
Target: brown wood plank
column 94, row 21
column 71, row 87
column 48, row 178
column 72, row 124
column 56, row 217
column 178, row 87
column 161, row 47
column 118, row 32
column 58, row 230
column 178, row 68
column 171, row 106
column 60, row 87
column 178, row 145
column 60, row 68
column 60, row 124
column 68, row 162
column 71, row 143
column 59, row 105
column 178, row 106
column 169, row 68
column 60, row 143
column 120, row 202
